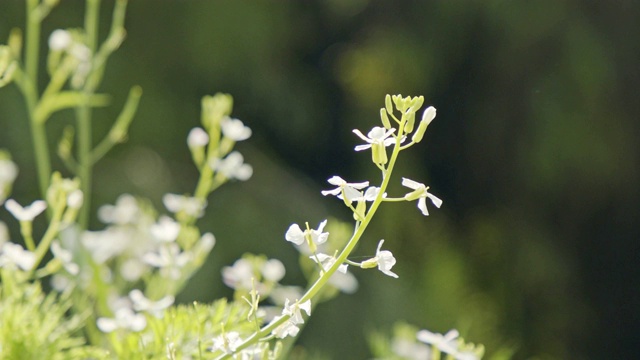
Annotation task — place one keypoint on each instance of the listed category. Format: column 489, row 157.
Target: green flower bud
column 415, row 194
column 368, row 264
column 416, row 103
column 411, row 121
column 385, row 119
column 428, row 116
column 379, row 154
column 387, row 104
column 361, row 207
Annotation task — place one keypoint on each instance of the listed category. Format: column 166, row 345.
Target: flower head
column 124, row 318
column 420, row 193
column 294, row 310
column 227, row 342
column 192, row 206
column 347, row 191
column 14, row 255
column 446, row 343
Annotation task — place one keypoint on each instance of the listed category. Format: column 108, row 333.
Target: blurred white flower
column 14, row 255
column 141, row 303
column 192, row 206
column 239, row 275
column 27, row 213
column 165, row 229
column 233, row 167
column 60, row 40
column 124, row 318
column 227, row 342
column 65, row 257
column 125, row 211
column 273, row 270
column 169, row 259
column 446, row 343
column 234, row 129
column 197, row 137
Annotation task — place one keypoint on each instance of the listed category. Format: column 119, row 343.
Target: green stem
column 83, row 117
column 30, row 90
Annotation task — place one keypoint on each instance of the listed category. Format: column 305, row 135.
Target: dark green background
column 534, row 152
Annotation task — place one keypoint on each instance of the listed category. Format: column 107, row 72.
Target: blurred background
column 534, row 152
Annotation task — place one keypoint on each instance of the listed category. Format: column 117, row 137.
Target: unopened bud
column 428, row 116
column 411, row 121
column 385, row 119
column 387, row 104
column 379, row 153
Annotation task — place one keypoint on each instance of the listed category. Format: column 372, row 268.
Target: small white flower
column 27, row 213
column 327, row 261
column 446, row 343
column 141, row 303
column 169, row 259
column 75, row 199
column 13, row 254
column 125, row 211
column 410, row 349
column 192, row 206
column 385, row 260
column 273, row 270
column 345, row 189
column 165, row 230
column 239, row 275
column 420, row 192
column 227, row 342
column 65, row 257
column 294, row 310
column 288, row 328
column 234, row 129
column 59, row 40
column 295, row 235
column 197, row 137
column 124, row 318
column 233, row 167
column 377, row 135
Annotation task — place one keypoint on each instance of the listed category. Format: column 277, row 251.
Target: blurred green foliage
column 534, row 152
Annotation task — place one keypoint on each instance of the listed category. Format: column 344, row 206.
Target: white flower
column 273, row 270
column 125, row 211
column 8, row 171
column 233, row 167
column 327, row 261
column 192, row 206
column 141, row 303
column 197, row 137
column 227, row 342
column 420, row 192
column 288, row 328
column 385, row 260
column 239, row 275
column 345, row 189
column 75, row 199
column 27, row 213
column 59, row 40
column 165, row 230
column 169, row 259
column 293, row 310
column 377, row 135
column 295, row 235
column 124, row 318
column 446, row 343
column 234, row 129
column 410, row 349
column 13, row 254
column 65, row 257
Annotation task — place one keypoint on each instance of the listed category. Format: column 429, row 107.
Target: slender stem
column 83, row 117
column 30, row 90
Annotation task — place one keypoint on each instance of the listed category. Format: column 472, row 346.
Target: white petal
column 294, row 234
column 362, row 147
column 435, row 200
column 336, row 180
column 422, row 205
column 411, row 184
column 361, row 136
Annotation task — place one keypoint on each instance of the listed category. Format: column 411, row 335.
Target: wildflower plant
column 114, row 289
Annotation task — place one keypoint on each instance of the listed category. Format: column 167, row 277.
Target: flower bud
column 385, row 119
column 428, row 116
column 387, row 104
column 411, row 121
column 379, row 154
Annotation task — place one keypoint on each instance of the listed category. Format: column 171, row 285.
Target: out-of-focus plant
column 114, row 289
